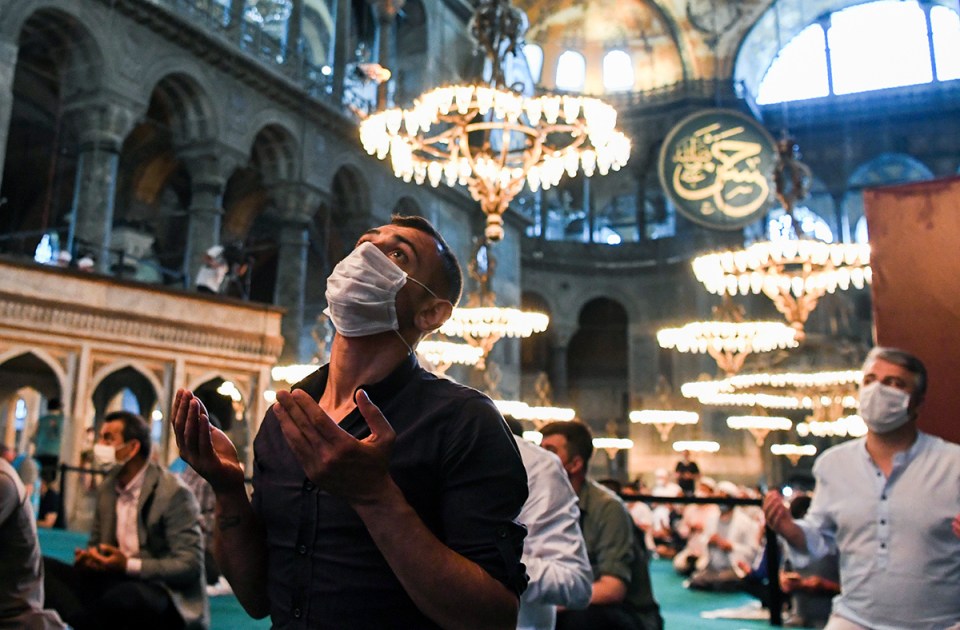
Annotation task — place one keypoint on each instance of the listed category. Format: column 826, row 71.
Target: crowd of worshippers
column 386, row 497
column 722, row 547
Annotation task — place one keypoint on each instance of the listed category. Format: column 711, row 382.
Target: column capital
column 561, row 332
column 211, row 163
column 294, row 202
column 103, row 123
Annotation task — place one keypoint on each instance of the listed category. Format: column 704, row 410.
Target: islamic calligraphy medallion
column 716, row 166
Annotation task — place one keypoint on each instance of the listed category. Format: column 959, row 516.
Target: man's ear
column 575, row 465
column 135, row 446
column 432, row 316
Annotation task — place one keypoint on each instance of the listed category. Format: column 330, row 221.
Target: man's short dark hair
column 578, row 435
column 516, row 427
column 135, row 427
column 799, row 505
column 903, row 359
column 450, row 266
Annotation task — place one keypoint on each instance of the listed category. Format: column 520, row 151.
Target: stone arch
column 273, row 160
column 34, row 376
column 351, row 210
column 18, row 363
column 58, row 58
column 774, row 29
column 234, row 421
column 64, row 35
column 275, row 153
column 191, row 111
column 153, row 183
column 117, row 376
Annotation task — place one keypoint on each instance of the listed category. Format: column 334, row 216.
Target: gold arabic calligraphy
column 721, row 172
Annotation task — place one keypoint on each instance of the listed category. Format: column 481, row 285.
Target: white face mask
column 884, row 408
column 106, row 455
column 362, row 292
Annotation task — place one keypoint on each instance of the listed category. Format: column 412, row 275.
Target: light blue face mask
column 884, row 408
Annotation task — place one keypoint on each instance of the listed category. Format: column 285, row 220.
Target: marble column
column 102, row 127
column 342, row 53
column 292, row 205
column 236, row 18
column 386, row 12
column 643, row 360
column 560, row 335
column 209, row 170
column 291, row 278
column 292, row 48
column 8, row 66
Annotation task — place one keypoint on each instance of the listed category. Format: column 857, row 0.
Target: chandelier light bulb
column 794, row 452
column 793, row 274
column 664, row 419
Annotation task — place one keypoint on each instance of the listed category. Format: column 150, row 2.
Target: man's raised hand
column 332, row 458
column 206, row 448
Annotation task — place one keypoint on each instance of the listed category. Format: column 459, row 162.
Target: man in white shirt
column 890, row 504
column 144, row 561
column 554, row 551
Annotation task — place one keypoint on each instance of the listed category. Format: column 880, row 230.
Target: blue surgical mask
column 884, row 408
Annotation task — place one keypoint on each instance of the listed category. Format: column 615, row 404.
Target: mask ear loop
column 404, row 341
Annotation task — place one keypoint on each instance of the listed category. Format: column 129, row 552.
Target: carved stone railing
column 76, row 304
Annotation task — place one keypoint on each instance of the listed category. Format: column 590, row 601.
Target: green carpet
column 681, row 608
column 225, row 610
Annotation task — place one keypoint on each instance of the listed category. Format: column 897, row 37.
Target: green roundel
column 716, row 166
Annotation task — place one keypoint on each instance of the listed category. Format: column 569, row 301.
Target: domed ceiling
column 608, row 23
column 595, row 27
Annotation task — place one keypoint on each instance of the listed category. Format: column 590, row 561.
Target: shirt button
column 308, row 485
column 297, row 613
column 883, row 545
column 302, row 550
column 883, row 497
column 883, row 521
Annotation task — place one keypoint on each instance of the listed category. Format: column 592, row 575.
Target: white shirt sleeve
column 554, row 551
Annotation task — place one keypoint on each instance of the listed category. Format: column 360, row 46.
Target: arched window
column 617, row 71
column 799, row 70
column 946, row 42
column 890, row 35
column 534, row 55
column 571, row 71
column 872, row 46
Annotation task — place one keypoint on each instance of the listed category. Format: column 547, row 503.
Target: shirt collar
column 382, row 390
column 133, row 488
column 586, row 493
column 903, row 457
column 393, row 383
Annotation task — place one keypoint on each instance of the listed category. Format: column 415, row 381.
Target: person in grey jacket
column 143, row 565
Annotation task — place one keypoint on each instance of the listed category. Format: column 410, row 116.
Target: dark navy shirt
column 458, row 467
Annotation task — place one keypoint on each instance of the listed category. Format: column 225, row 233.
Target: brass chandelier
column 491, row 138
